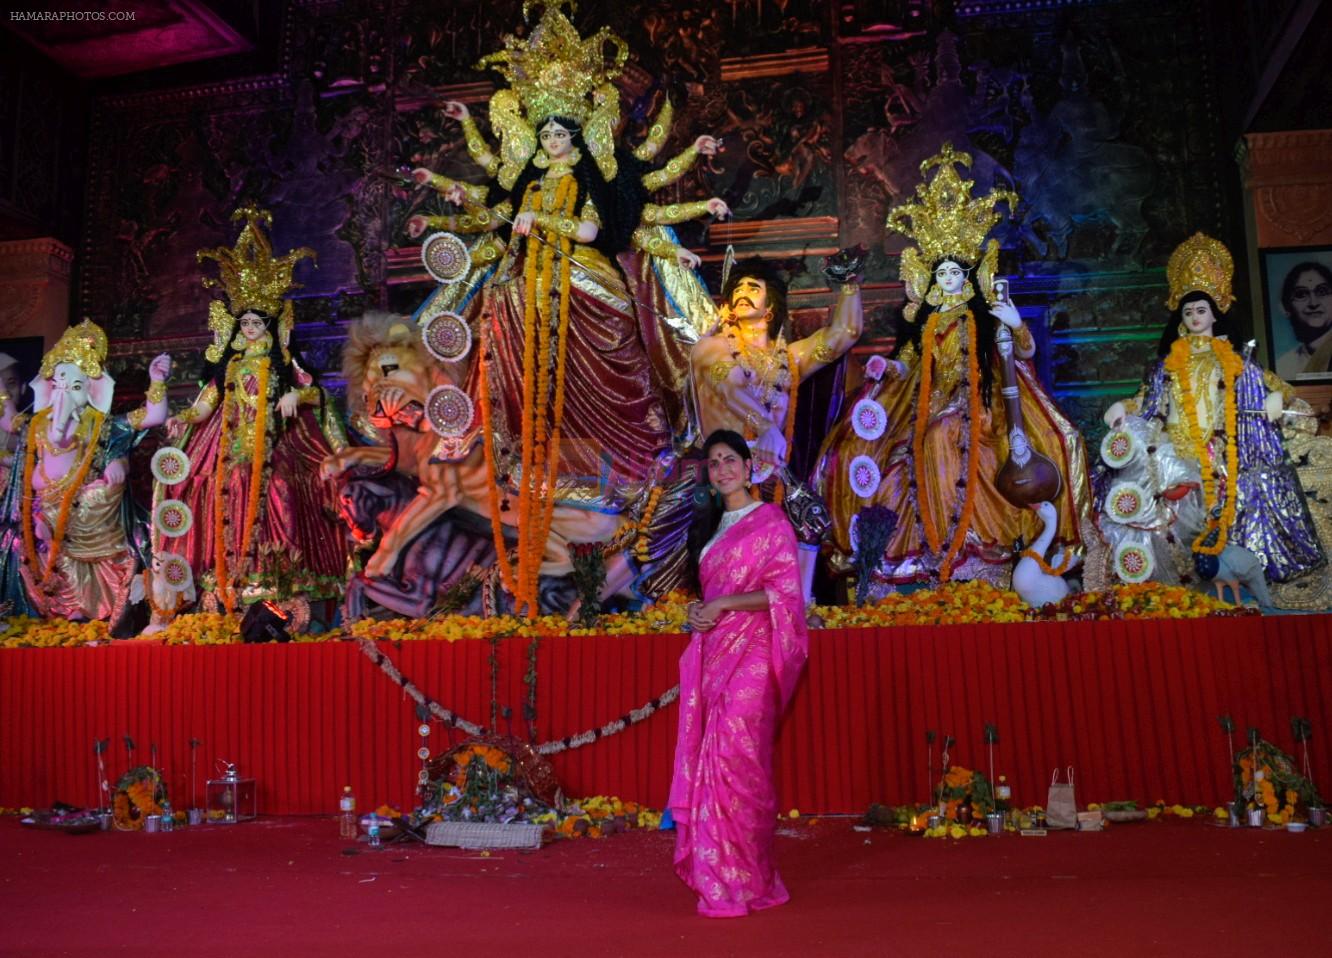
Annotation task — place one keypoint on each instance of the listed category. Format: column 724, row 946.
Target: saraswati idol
column 929, row 441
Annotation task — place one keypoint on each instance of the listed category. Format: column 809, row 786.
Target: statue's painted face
column 1197, row 318
column 69, row 380
column 69, row 394
column 749, row 298
column 949, row 276
column 556, row 140
column 252, row 326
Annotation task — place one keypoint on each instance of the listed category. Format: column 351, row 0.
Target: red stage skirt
column 1133, row 706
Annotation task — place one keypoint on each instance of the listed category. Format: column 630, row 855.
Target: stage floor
column 290, row 887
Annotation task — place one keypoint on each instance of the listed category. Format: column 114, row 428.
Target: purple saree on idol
column 736, row 678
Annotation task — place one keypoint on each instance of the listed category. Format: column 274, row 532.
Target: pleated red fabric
column 1132, row 706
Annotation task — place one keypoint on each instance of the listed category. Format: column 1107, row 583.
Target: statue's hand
column 707, row 145
column 454, row 110
column 455, row 195
column 718, row 208
column 160, row 368
column 522, row 223
column 771, row 448
column 287, row 403
column 416, row 225
column 114, row 473
column 421, row 176
column 1115, row 415
column 1007, row 314
column 1274, row 406
column 687, row 258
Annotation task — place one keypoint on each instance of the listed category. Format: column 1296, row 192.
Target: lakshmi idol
column 262, row 517
column 928, row 441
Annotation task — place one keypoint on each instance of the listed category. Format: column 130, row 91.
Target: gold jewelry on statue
column 156, row 392
column 1182, row 330
column 83, row 345
column 1200, row 264
column 945, row 220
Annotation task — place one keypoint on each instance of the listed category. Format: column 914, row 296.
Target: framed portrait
column 1297, row 300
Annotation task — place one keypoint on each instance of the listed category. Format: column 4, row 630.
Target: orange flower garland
column 1044, row 566
column 1232, row 367
column 541, row 423
column 257, row 460
column 91, row 424
column 932, row 536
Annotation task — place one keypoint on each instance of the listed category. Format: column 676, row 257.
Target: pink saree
column 735, row 681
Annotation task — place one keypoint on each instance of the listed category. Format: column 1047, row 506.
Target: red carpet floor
column 288, row 887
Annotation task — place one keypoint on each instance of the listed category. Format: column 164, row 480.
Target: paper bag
column 1061, row 808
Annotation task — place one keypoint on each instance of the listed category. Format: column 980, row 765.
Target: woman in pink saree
column 736, row 677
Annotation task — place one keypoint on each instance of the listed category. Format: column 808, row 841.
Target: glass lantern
column 231, row 799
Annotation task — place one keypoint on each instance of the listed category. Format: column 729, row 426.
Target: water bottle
column 347, row 818
column 374, row 830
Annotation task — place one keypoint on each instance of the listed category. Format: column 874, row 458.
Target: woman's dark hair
column 1171, row 331
column 619, row 203
column 757, row 268
column 707, row 505
column 281, row 372
column 909, row 332
column 1302, row 331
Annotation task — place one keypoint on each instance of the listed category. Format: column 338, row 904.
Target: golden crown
column 946, row 221
column 554, row 71
column 83, row 345
column 251, row 276
column 1200, row 264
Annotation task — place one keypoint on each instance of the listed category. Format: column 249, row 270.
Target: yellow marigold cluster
column 26, row 632
column 954, row 603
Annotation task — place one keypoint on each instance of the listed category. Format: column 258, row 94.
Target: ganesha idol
column 72, row 534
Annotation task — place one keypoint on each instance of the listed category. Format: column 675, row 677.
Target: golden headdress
column 555, row 72
column 252, row 279
column 83, row 345
column 1200, row 264
column 946, row 221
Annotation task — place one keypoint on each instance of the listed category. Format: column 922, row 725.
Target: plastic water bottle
column 347, row 818
column 374, row 830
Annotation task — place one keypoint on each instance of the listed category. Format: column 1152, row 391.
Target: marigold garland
column 91, row 426
column 258, row 455
column 1064, row 565
column 968, row 499
column 540, row 423
column 1232, row 367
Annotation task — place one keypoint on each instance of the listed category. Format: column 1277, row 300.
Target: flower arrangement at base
column 965, row 795
column 139, row 793
column 1266, row 778
column 500, row 780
